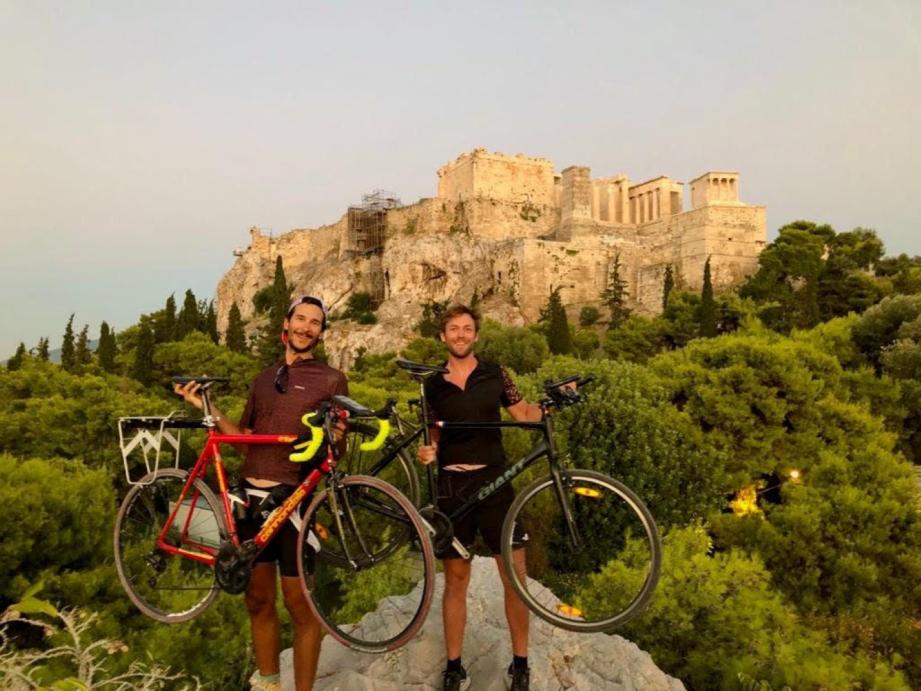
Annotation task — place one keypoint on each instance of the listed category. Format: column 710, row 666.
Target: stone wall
column 515, row 179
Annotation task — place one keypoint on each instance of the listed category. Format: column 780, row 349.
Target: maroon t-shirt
column 267, row 411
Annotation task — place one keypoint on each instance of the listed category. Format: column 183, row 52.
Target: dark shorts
column 282, row 549
column 486, row 518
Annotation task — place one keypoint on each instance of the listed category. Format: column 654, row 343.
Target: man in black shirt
column 474, row 391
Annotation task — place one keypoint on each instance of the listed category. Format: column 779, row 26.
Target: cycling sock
column 260, row 678
column 519, row 662
column 455, row 665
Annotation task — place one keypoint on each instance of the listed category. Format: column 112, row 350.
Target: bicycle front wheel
column 168, row 587
column 593, row 570
column 375, row 595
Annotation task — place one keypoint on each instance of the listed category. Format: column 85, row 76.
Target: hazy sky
column 141, row 140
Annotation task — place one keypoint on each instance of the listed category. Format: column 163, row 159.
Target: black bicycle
column 593, row 551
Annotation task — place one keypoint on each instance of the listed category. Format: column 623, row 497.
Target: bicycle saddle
column 418, row 368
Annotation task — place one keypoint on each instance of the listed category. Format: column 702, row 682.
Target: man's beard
column 460, row 354
column 306, row 349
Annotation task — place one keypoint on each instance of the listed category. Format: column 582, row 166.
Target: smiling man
column 279, row 397
column 468, row 460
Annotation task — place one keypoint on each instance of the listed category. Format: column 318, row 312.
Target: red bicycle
column 360, row 542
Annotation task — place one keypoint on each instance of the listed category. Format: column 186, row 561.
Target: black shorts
column 281, row 549
column 456, row 487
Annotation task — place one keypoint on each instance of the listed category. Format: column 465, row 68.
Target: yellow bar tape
column 378, row 441
column 309, row 448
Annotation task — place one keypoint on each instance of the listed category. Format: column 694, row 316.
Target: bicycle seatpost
column 427, row 438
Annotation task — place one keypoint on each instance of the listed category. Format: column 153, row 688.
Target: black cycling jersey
column 488, row 388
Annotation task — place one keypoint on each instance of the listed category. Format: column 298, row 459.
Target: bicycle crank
column 233, row 568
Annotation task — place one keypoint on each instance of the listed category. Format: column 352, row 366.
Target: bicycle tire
column 189, row 588
column 368, row 603
column 400, row 472
column 604, row 585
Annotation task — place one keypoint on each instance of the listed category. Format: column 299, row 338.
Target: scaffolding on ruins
column 368, row 221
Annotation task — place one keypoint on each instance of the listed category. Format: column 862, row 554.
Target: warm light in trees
column 745, row 502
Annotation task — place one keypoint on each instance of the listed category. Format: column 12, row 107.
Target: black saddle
column 420, row 370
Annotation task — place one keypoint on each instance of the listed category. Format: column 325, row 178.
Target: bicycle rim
column 377, row 598
column 167, row 587
column 603, row 579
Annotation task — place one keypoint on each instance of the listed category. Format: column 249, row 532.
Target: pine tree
column 82, row 354
column 106, row 348
column 15, row 362
column 187, row 321
column 707, row 311
column 68, row 357
column 142, row 369
column 235, row 336
column 558, row 337
column 668, row 285
column 270, row 347
column 475, row 299
column 165, row 322
column 43, row 350
column 614, row 296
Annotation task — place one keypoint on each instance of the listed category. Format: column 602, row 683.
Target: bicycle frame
column 211, row 453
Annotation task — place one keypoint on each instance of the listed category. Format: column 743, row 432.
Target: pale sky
column 141, row 140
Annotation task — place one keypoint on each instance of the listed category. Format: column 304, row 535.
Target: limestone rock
column 560, row 660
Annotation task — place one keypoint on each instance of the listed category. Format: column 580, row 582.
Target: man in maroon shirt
column 280, row 395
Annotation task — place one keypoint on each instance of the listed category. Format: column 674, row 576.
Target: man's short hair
column 456, row 311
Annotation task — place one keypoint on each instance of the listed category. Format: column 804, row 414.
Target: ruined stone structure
column 509, row 228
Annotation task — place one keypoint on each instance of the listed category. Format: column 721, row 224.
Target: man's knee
column 457, row 575
column 296, row 604
column 259, row 602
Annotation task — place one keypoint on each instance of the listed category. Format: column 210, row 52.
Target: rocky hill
column 559, row 659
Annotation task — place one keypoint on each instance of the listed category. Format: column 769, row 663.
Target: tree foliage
column 559, row 339
column 107, row 348
column 516, row 347
column 707, row 311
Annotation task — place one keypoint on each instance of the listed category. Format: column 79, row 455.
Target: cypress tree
column 270, row 347
column 707, row 312
column 142, row 369
column 668, row 285
column 210, row 322
column 15, row 362
column 235, row 336
column 107, row 348
column 165, row 323
column 68, row 357
column 558, row 337
column 614, row 295
column 82, row 354
column 187, row 321
column 43, row 350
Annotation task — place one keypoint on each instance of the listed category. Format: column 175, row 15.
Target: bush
column 715, row 617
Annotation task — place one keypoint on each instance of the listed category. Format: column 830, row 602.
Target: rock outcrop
column 559, row 659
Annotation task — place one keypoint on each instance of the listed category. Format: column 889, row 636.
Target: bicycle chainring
column 233, row 569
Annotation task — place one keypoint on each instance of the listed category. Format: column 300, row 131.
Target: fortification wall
column 515, row 179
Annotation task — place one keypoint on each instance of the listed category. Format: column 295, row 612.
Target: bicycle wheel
column 602, row 578
column 398, row 468
column 377, row 597
column 168, row 587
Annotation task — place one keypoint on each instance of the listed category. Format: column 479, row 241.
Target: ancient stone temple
column 511, row 228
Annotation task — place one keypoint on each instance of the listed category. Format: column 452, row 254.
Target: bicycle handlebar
column 340, row 408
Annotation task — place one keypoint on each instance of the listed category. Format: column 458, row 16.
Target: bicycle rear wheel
column 168, row 587
column 376, row 597
column 598, row 579
column 398, row 471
